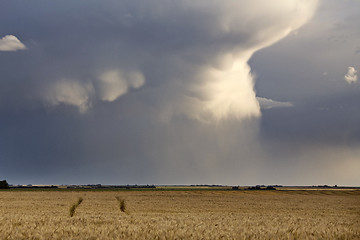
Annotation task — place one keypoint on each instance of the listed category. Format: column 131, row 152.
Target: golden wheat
column 182, row 215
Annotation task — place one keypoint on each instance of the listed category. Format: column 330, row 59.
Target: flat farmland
column 298, row 214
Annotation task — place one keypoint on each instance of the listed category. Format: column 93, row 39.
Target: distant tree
column 4, row 184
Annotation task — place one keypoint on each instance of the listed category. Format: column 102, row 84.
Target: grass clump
column 122, row 204
column 74, row 206
column 80, row 200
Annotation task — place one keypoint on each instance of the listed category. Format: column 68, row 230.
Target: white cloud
column 11, row 43
column 351, row 75
column 112, row 84
column 229, row 92
column 223, row 87
column 136, row 79
column 266, row 103
column 71, row 92
column 115, row 83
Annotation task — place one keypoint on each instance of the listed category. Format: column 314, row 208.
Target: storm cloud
column 141, row 92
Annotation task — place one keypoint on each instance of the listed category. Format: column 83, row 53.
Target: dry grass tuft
column 74, row 206
column 122, row 204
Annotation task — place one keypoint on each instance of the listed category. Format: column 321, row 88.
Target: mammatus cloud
column 266, row 103
column 111, row 85
column 351, row 75
column 11, row 43
column 115, row 83
column 71, row 92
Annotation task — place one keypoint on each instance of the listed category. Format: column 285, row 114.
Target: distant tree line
column 4, row 184
column 99, row 186
column 30, row 186
column 257, row 187
column 261, row 187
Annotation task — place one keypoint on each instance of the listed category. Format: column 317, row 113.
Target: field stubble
column 181, row 215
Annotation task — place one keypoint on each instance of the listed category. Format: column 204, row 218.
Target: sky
column 180, row 92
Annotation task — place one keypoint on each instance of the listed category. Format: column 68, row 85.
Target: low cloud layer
column 351, row 76
column 71, row 92
column 11, row 43
column 266, row 103
column 115, row 83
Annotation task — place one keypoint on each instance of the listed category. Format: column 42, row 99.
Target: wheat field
column 326, row 214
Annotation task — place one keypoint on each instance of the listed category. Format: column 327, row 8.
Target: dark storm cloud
column 147, row 92
column 309, row 72
column 333, row 122
column 321, row 132
column 83, row 39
